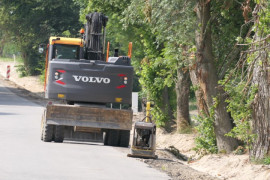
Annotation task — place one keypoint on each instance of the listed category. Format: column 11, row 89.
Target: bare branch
column 254, row 50
column 267, row 37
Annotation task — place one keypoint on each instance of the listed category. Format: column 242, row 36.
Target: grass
column 163, row 168
column 5, row 59
column 266, row 160
column 257, row 161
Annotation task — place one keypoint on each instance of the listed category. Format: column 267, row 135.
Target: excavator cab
column 65, row 48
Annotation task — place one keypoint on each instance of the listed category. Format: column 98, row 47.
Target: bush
column 21, row 70
column 206, row 141
column 241, row 96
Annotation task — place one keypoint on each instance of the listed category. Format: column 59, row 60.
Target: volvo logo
column 91, row 79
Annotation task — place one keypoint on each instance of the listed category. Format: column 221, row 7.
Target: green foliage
column 240, row 150
column 263, row 26
column 5, row 59
column 42, row 76
column 40, row 67
column 206, row 140
column 227, row 29
column 30, row 23
column 240, row 97
column 22, row 70
column 154, row 84
column 266, row 161
column 9, row 49
column 66, row 33
column 160, row 116
column 167, row 27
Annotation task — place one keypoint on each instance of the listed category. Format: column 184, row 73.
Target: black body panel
column 89, row 81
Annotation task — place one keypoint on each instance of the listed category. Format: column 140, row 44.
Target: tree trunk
column 208, row 78
column 166, row 109
column 261, row 110
column 2, row 44
column 201, row 104
column 261, row 103
column 1, row 51
column 182, row 93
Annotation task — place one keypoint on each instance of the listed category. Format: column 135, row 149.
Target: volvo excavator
column 89, row 92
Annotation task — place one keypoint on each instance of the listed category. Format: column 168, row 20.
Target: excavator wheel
column 58, row 134
column 47, row 131
column 41, row 137
column 124, row 136
column 105, row 138
column 113, row 137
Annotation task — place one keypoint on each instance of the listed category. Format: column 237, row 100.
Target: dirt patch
column 176, row 168
column 233, row 167
column 210, row 167
column 230, row 166
column 30, row 83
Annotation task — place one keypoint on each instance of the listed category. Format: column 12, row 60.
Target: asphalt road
column 23, row 156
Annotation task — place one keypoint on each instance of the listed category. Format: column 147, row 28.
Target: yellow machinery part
column 68, row 41
column 148, row 104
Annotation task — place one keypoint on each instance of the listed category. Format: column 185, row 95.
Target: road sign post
column 8, row 72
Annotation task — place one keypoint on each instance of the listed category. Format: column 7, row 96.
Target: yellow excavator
column 89, row 92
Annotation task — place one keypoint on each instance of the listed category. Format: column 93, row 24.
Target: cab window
column 63, row 51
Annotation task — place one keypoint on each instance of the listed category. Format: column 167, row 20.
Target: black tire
column 47, row 133
column 41, row 137
column 124, row 137
column 113, row 137
column 105, row 138
column 58, row 134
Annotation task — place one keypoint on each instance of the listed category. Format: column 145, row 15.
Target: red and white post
column 8, row 72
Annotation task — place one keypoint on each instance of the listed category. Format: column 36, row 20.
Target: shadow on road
column 6, row 114
column 17, row 96
column 83, row 143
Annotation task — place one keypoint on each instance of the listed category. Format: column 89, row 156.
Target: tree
column 207, row 78
column 31, row 22
column 248, row 83
column 177, row 33
column 172, row 24
column 259, row 54
column 2, row 42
